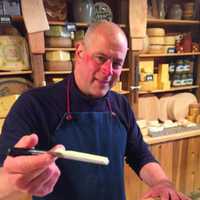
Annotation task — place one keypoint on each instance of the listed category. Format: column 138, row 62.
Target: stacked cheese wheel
column 188, row 10
column 58, row 61
column 169, row 45
column 156, row 40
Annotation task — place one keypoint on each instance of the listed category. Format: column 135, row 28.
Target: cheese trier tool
column 61, row 153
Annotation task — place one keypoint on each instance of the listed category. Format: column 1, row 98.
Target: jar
column 176, row 80
column 175, row 12
column 161, row 6
column 82, row 10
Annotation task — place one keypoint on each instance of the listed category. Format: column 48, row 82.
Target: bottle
column 82, row 10
column 162, row 9
column 175, row 12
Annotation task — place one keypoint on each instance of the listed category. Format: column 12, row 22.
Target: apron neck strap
column 68, row 108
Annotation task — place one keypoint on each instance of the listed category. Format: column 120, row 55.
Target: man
column 82, row 114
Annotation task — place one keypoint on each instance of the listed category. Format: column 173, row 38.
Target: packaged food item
column 13, row 53
column 11, row 7
column 56, row 10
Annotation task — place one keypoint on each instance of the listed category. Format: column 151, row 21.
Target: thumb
column 28, row 141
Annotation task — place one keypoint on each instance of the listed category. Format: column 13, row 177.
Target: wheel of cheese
column 1, row 124
column 180, row 105
column 6, row 103
column 157, row 40
column 58, row 42
column 58, row 66
column 156, row 49
column 152, row 32
column 170, row 40
column 10, row 86
column 58, row 56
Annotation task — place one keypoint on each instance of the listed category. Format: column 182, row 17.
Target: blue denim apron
column 99, row 133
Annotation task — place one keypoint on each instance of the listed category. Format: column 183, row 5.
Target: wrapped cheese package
column 13, row 53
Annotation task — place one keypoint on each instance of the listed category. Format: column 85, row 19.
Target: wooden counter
column 179, row 155
column 166, row 138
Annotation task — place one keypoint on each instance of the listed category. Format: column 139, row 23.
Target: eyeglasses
column 100, row 59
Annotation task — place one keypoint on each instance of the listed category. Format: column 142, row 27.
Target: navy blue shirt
column 40, row 110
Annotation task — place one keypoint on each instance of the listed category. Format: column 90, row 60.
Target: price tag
column 5, row 19
column 70, row 27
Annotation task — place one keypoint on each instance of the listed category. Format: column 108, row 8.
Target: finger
column 44, row 183
column 27, row 164
column 173, row 196
column 183, row 197
column 28, row 141
column 22, row 180
column 165, row 196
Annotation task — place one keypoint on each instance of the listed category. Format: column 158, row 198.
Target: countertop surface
column 171, row 137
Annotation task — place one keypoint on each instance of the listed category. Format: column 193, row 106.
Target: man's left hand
column 165, row 191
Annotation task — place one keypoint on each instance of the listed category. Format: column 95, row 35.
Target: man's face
column 99, row 65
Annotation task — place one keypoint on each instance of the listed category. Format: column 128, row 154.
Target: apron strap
column 68, row 109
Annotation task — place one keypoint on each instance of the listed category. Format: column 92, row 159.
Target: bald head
column 111, row 31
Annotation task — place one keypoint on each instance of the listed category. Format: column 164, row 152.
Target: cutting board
column 148, row 107
column 10, row 86
column 178, row 105
column 34, row 16
column 163, row 101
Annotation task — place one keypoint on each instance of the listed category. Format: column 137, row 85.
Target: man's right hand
column 37, row 174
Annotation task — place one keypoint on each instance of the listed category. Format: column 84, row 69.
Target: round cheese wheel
column 157, row 40
column 58, row 56
column 170, row 40
column 155, row 32
column 156, row 49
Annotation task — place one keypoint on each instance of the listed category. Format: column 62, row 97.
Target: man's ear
column 79, row 49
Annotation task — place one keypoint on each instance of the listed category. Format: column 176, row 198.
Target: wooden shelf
column 125, row 70
column 169, row 54
column 60, row 49
column 172, row 22
column 122, row 92
column 57, row 72
column 15, row 73
column 79, row 24
column 67, row 72
column 17, row 19
column 170, row 90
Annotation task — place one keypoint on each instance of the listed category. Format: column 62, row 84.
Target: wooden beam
column 38, row 70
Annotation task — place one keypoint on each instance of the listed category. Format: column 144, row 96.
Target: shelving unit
column 173, row 89
column 186, row 25
column 15, row 73
column 126, row 76
column 166, row 22
column 78, row 24
column 169, row 55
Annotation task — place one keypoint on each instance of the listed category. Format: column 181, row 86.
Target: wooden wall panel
column 181, row 162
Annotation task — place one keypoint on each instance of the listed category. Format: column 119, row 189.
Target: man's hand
column 36, row 175
column 165, row 191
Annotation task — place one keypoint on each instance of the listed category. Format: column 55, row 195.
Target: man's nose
column 107, row 68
